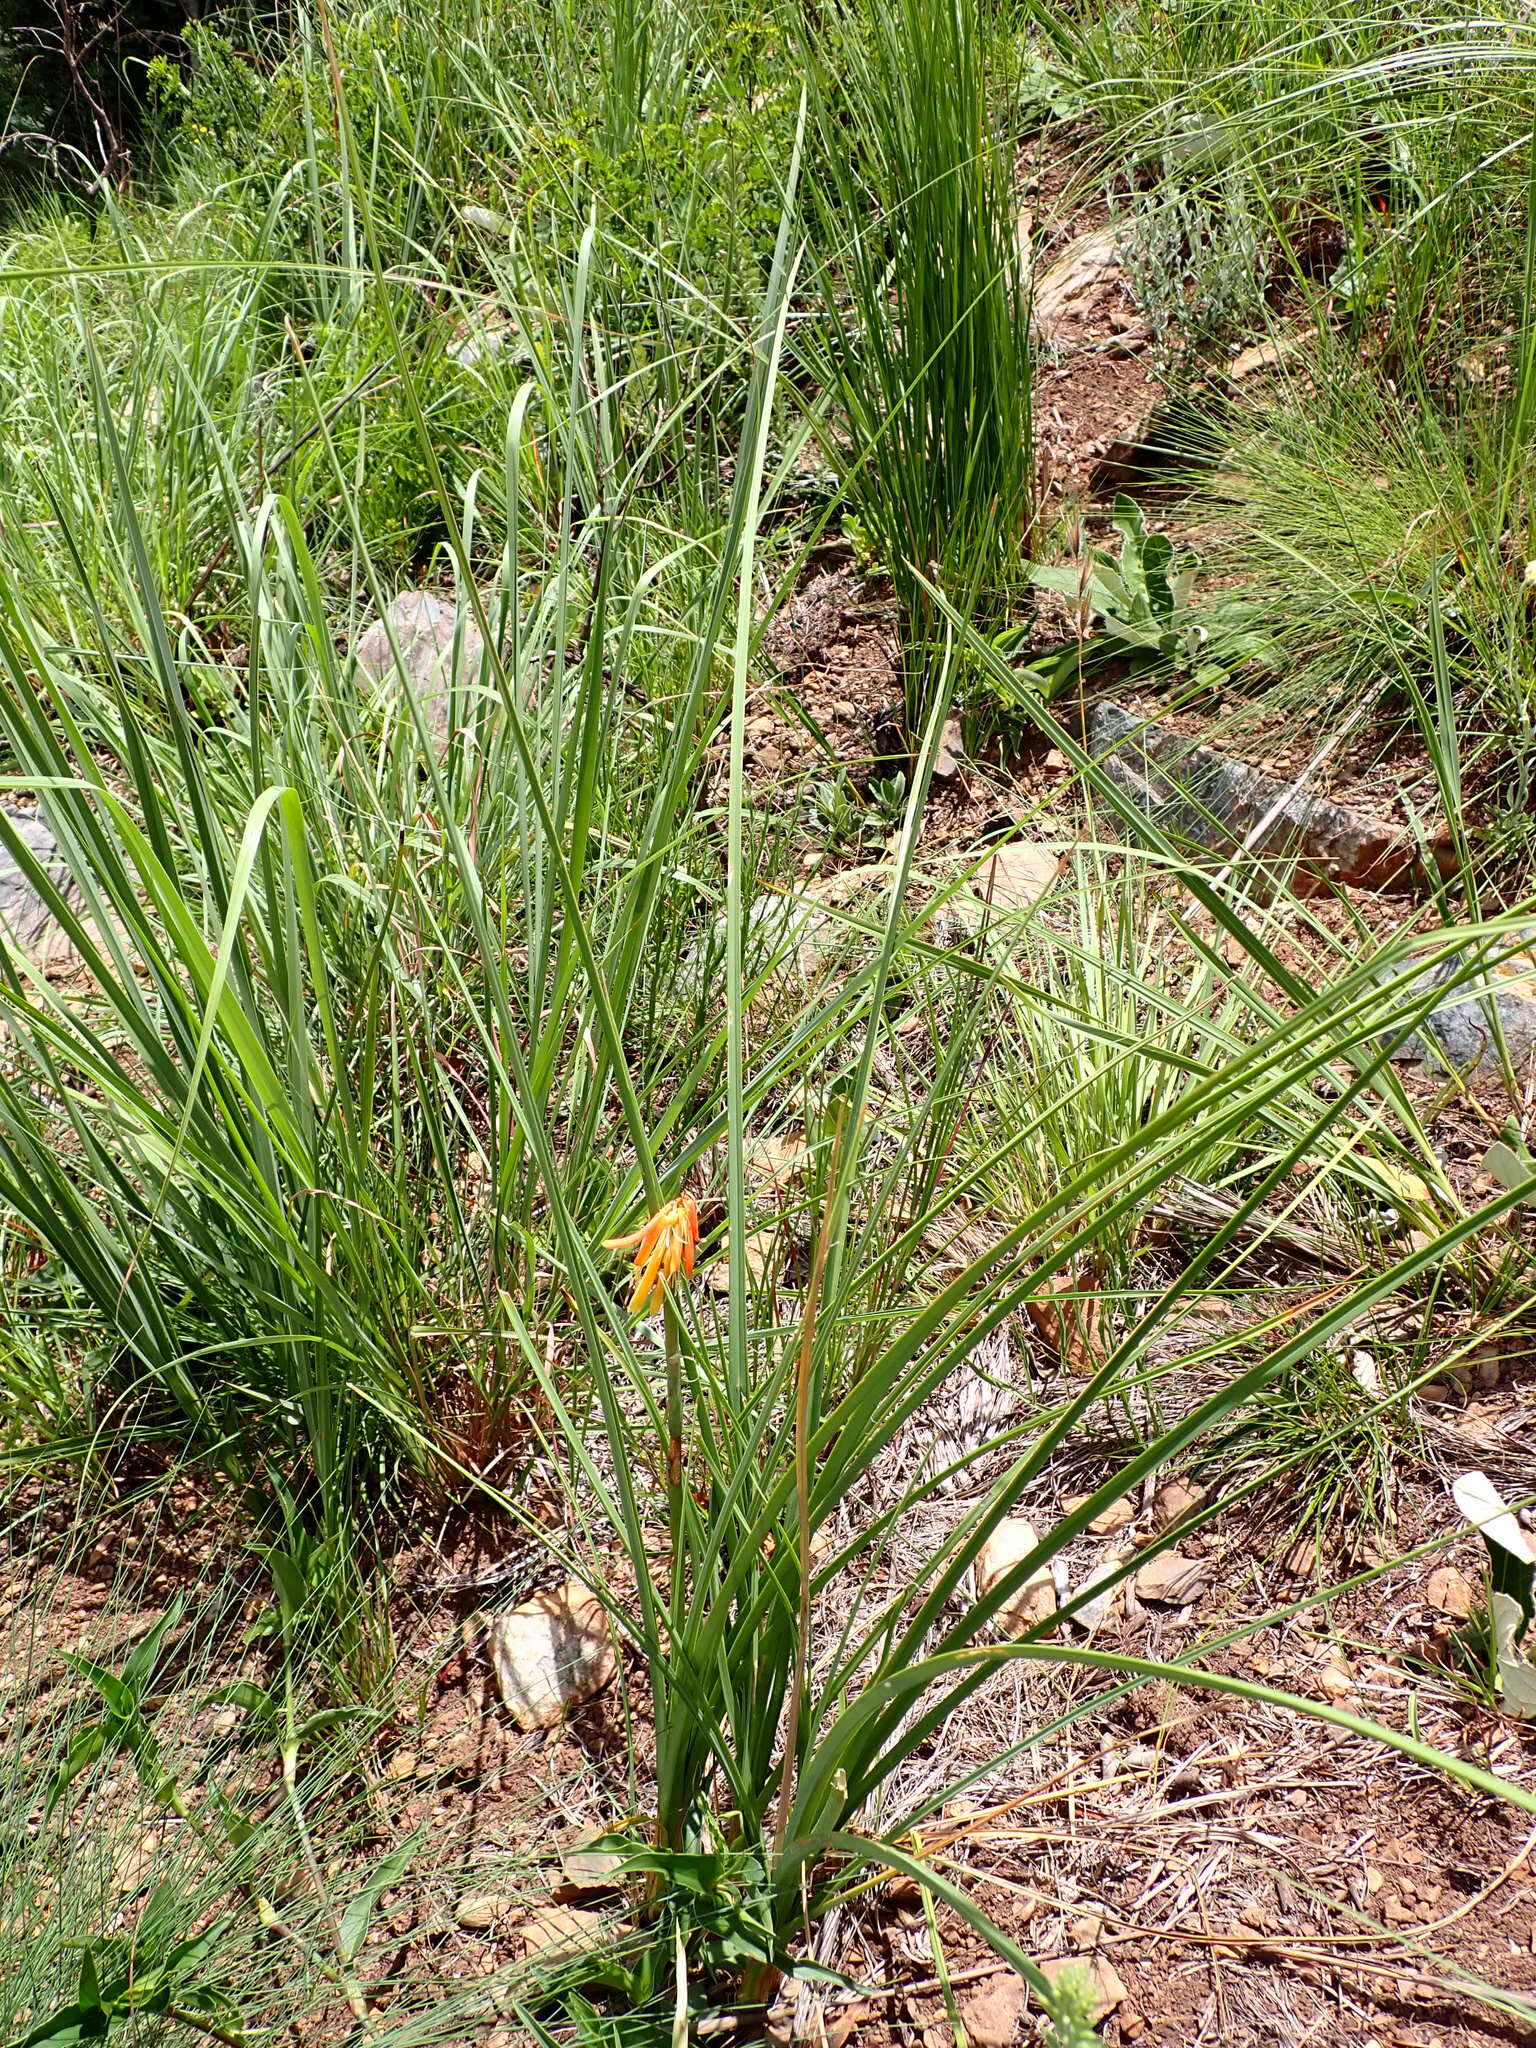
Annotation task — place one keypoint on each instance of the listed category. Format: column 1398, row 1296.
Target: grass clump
column 927, row 349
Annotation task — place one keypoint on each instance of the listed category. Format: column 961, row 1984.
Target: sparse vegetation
column 564, row 577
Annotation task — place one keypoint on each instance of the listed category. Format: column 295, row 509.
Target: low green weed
column 1141, row 600
column 1198, row 261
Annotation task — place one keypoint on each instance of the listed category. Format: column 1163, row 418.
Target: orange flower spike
column 663, row 1247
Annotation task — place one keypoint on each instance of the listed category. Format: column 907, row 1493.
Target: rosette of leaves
column 1142, row 598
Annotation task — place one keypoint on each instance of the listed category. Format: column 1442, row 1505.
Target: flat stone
column 551, row 1653
column 478, row 1910
column 1300, row 1559
column 1460, row 1032
column 1170, row 1579
column 1210, row 800
column 1180, row 1497
column 1096, row 1610
column 1035, row 1601
column 991, row 2010
column 1452, row 1592
column 1335, row 1680
column 1105, row 1986
column 1015, row 877
column 1085, row 1932
column 555, row 1931
column 586, row 1868
column 1118, row 1515
column 427, row 628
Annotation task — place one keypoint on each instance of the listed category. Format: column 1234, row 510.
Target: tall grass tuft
column 926, row 347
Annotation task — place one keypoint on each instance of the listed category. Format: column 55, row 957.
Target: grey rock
column 25, row 918
column 1461, row 1032
column 1204, row 797
column 1196, row 794
column 427, row 628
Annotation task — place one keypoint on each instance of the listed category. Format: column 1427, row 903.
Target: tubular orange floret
column 664, row 1246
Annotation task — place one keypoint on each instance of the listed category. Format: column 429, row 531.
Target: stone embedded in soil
column 1335, row 1680
column 551, row 1653
column 1300, row 1560
column 1072, row 287
column 1085, row 1932
column 1180, row 1497
column 1171, row 1580
column 1452, row 1592
column 1213, row 801
column 477, row 1910
column 991, row 2010
column 1008, row 1545
column 586, row 1868
column 426, row 627
column 1015, row 877
column 1096, row 1610
column 555, row 1931
column 1461, row 1031
column 1118, row 1515
column 1104, row 1980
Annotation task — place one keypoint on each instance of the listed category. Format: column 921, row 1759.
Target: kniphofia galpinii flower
column 663, row 1248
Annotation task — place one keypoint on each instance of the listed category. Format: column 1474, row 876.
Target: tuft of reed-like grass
column 925, row 348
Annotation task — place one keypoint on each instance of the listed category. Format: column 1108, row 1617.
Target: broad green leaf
column 352, row 1931
column 85, row 1747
